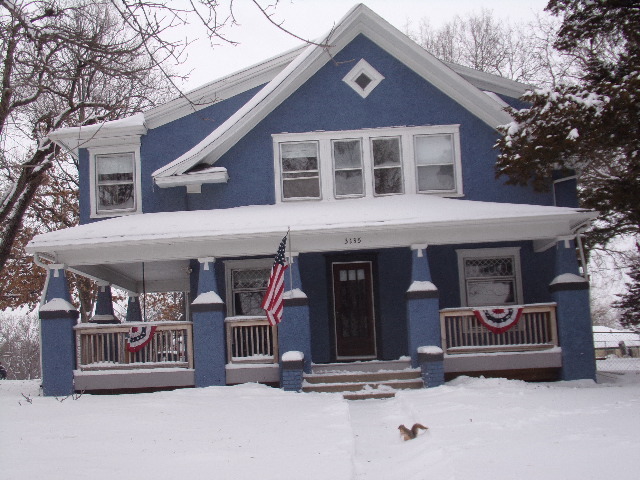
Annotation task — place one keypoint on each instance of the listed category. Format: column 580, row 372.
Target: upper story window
column 347, row 168
column 300, row 170
column 367, row 163
column 387, row 165
column 115, row 181
column 490, row 277
column 363, row 78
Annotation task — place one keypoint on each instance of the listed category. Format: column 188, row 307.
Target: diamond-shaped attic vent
column 363, row 78
column 363, row 81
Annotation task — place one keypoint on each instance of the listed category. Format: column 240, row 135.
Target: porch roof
column 109, row 249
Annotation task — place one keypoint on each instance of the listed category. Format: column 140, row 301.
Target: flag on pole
column 272, row 301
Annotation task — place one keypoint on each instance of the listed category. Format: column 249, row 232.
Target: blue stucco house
column 379, row 160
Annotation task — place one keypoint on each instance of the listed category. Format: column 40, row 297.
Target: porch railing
column 103, row 347
column 463, row 333
column 251, row 340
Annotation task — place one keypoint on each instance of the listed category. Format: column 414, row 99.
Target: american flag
column 272, row 301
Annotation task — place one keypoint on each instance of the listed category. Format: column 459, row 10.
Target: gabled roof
column 360, row 20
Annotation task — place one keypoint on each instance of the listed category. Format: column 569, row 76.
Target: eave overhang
column 387, row 222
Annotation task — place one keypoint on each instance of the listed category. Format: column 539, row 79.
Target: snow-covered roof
column 401, row 220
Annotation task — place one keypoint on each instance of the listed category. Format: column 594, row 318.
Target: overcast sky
column 259, row 40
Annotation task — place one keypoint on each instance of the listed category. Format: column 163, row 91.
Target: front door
column 353, row 310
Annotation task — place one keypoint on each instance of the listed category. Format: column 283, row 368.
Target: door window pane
column 387, row 166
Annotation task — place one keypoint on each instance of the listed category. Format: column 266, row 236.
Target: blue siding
column 325, row 102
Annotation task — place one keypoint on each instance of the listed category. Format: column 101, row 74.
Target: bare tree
column 516, row 50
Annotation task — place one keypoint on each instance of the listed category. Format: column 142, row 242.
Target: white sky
column 259, row 40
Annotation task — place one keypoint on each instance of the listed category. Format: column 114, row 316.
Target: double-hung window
column 490, row 277
column 246, row 285
column 435, row 160
column 347, row 168
column 115, row 182
column 300, row 170
column 387, row 165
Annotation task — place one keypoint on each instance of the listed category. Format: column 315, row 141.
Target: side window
column 387, row 166
column 490, row 280
column 434, row 156
column 115, row 183
column 248, row 286
column 300, row 170
column 347, row 168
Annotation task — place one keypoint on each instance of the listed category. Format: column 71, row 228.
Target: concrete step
column 363, row 380
column 357, row 386
column 367, row 366
column 356, row 377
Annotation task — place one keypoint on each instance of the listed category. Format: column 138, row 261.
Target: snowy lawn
column 478, row 429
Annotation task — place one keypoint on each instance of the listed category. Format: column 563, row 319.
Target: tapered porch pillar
column 104, row 305
column 208, row 329
column 423, row 306
column 134, row 312
column 294, row 333
column 571, row 293
column 57, row 348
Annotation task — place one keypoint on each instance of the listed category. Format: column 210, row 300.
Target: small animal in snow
column 413, row 433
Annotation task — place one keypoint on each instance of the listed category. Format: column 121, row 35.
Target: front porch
column 399, row 257
column 103, row 362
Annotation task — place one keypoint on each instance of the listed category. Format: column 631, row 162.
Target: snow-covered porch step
column 361, row 380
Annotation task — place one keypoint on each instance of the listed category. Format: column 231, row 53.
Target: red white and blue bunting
column 138, row 337
column 498, row 319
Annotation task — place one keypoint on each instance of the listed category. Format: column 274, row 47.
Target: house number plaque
column 352, row 240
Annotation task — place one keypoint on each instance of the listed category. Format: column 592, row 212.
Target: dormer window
column 363, row 78
column 115, row 175
column 115, row 180
column 368, row 163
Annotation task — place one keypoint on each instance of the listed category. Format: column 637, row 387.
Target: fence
column 616, row 351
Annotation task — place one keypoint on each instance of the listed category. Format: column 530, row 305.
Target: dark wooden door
column 353, row 310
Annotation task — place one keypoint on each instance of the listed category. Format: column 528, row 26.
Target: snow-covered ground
column 478, row 429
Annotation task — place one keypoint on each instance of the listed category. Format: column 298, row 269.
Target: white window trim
column 409, row 167
column 133, row 148
column 476, row 253
column 363, row 67
column 230, row 265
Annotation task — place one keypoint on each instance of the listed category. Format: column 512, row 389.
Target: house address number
column 352, row 240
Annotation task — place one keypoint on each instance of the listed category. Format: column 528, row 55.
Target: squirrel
column 413, row 433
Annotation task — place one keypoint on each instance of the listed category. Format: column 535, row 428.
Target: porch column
column 134, row 312
column 208, row 329
column 57, row 338
column 104, row 305
column 294, row 333
column 423, row 306
column 571, row 293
